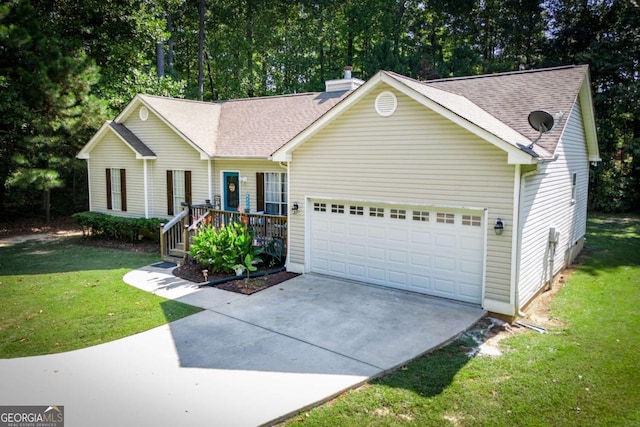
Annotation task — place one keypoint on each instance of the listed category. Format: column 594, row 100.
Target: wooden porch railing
column 175, row 236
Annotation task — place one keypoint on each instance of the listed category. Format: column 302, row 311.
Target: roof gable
column 494, row 107
column 510, row 97
column 125, row 135
column 243, row 128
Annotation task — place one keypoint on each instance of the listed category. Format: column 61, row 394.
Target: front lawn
column 63, row 295
column 586, row 372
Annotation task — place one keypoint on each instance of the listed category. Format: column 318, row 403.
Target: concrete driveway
column 244, row 360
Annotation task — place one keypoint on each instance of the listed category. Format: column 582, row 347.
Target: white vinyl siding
column 173, row 153
column 414, row 156
column 112, row 153
column 551, row 200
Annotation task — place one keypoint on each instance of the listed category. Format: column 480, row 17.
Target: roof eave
column 514, row 154
column 588, row 118
column 139, row 99
column 84, row 153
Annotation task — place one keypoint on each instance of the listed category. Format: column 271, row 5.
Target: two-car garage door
column 433, row 251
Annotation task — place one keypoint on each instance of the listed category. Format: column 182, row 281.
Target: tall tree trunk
column 249, row 52
column 170, row 64
column 160, row 58
column 211, row 86
column 201, row 52
column 402, row 7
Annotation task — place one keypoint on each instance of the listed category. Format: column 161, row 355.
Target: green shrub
column 224, row 249
column 118, row 228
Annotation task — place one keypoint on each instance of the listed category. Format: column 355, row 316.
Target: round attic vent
column 386, row 103
column 144, row 113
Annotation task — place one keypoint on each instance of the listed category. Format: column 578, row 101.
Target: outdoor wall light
column 499, row 227
column 295, row 207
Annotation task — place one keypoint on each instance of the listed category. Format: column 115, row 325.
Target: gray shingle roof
column 251, row 127
column 256, row 127
column 510, row 97
column 133, row 141
column 197, row 121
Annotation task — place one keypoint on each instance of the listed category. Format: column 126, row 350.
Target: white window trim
column 116, row 190
column 276, row 196
column 179, row 195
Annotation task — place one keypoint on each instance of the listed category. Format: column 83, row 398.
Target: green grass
column 586, row 373
column 63, row 295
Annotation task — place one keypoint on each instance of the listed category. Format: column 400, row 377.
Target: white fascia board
column 515, row 155
column 588, row 118
column 86, row 150
column 140, row 100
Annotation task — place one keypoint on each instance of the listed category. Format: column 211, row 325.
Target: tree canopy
column 67, row 65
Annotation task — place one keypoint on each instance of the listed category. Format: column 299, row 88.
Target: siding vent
column 144, row 113
column 386, row 103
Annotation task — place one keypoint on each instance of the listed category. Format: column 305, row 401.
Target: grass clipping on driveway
column 62, row 295
column 584, row 371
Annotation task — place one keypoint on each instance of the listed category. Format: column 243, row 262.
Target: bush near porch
column 111, row 227
column 231, row 248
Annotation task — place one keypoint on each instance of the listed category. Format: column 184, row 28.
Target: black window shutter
column 169, row 192
column 187, row 186
column 123, row 189
column 109, row 203
column 260, row 191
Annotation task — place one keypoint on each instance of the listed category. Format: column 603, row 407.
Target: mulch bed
column 192, row 271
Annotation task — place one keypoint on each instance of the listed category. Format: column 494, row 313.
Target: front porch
column 175, row 236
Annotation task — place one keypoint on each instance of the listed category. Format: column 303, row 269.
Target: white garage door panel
column 436, row 258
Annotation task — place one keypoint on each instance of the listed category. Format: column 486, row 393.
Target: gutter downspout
column 518, row 240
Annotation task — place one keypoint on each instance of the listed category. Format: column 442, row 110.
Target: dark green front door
column 231, row 190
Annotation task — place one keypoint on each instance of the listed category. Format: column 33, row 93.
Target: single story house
column 450, row 188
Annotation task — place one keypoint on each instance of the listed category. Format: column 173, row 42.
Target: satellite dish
column 541, row 121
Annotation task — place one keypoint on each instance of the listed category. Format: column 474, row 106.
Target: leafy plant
column 225, row 249
column 249, row 263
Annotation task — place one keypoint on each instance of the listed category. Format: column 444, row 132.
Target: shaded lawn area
column 64, row 295
column 586, row 372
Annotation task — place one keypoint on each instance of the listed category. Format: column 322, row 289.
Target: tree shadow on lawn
column 65, row 255
column 431, row 374
column 611, row 243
